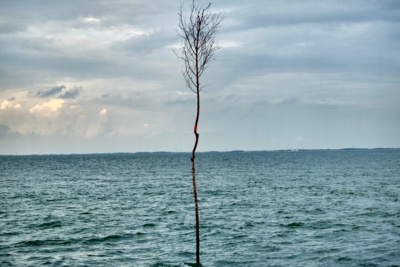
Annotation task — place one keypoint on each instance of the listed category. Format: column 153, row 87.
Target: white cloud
column 6, row 104
column 103, row 112
column 91, row 20
column 49, row 109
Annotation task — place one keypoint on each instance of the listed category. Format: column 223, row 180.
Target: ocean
column 278, row 208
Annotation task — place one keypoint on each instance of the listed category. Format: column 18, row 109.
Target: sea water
column 306, row 208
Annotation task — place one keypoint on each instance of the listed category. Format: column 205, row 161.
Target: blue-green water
column 311, row 208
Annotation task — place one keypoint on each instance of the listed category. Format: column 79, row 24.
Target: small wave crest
column 108, row 238
column 294, row 224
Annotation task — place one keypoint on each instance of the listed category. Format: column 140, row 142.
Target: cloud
column 50, row 92
column 103, row 112
column 57, row 92
column 50, row 108
column 71, row 94
column 91, row 19
column 9, row 104
column 55, row 117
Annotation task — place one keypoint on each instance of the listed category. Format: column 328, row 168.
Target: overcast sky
column 100, row 76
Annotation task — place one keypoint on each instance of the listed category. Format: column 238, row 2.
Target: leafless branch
column 198, row 41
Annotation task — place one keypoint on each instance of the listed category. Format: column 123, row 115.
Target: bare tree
column 198, row 46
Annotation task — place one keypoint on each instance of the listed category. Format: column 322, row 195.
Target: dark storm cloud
column 51, row 92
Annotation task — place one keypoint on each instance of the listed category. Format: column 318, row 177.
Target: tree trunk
column 196, row 205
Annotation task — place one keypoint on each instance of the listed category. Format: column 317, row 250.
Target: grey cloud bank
column 100, row 76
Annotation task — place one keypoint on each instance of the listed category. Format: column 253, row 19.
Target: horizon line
column 211, row 151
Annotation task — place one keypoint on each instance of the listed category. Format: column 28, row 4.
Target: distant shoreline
column 201, row 152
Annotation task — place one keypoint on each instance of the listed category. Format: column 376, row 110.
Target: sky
column 101, row 76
